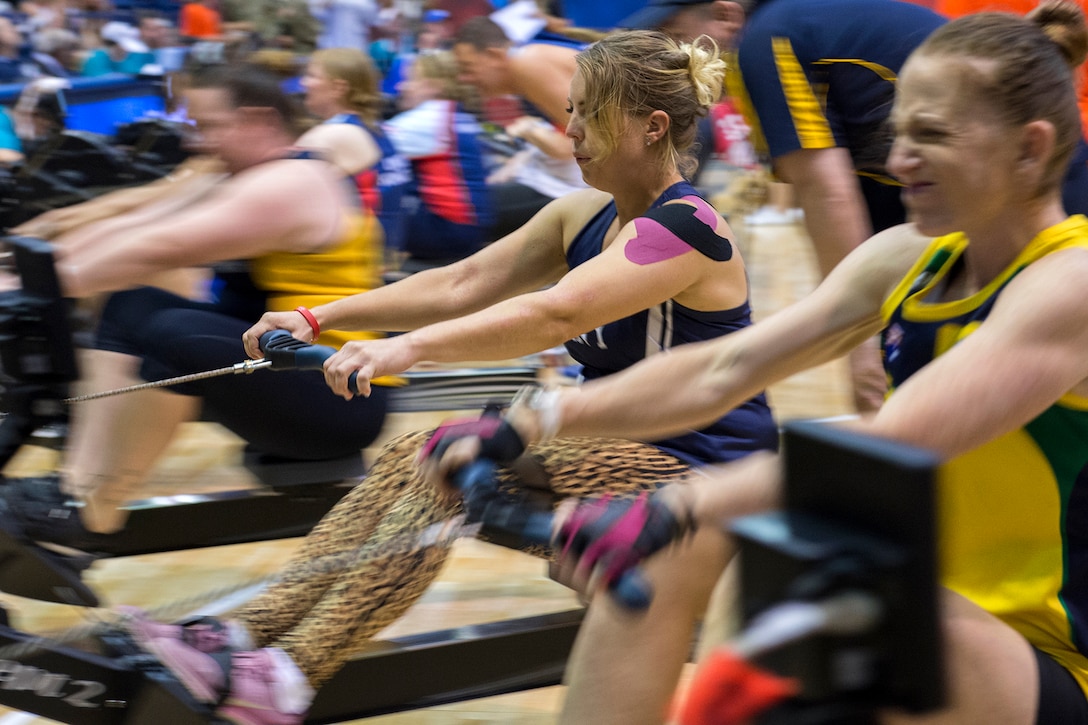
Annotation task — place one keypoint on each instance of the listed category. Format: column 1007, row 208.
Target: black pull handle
column 509, row 522
column 289, row 353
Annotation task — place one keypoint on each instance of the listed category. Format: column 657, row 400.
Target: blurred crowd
column 46, row 46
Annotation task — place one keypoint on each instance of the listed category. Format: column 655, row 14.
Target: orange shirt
column 198, row 21
column 957, row 8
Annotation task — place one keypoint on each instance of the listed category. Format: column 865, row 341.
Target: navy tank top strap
column 622, row 343
column 590, row 240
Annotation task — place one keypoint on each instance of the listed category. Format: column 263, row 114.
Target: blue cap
column 435, row 16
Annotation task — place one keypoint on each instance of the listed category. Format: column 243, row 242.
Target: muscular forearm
column 836, row 221
column 666, row 394
column 510, row 329
column 421, row 299
column 692, row 385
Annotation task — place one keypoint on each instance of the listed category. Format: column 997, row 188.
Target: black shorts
column 1061, row 699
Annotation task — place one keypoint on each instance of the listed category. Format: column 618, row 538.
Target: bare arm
column 828, row 192
column 543, row 135
column 1004, row 374
column 348, row 147
column 710, row 378
column 542, row 74
column 527, row 259
column 151, row 207
column 279, row 205
column 606, row 288
column 54, row 223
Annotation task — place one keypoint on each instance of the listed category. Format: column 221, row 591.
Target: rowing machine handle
column 512, row 523
column 289, row 353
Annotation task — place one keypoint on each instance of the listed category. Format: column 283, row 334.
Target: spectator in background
column 161, row 38
column 435, row 31
column 155, row 31
column 15, row 63
column 122, row 52
column 341, row 87
column 282, row 24
column 394, row 52
column 11, row 149
column 440, row 138
column 461, row 11
column 200, row 20
column 55, row 52
column 41, row 14
column 345, row 23
column 538, row 73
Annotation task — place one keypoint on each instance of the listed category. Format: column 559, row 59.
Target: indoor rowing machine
column 39, row 363
column 834, row 534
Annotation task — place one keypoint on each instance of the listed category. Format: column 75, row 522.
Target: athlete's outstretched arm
column 693, row 385
column 630, row 275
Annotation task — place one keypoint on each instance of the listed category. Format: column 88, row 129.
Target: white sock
column 293, row 693
column 238, row 637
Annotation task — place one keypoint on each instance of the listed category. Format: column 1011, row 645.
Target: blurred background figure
column 537, row 75
column 449, row 216
column 280, row 24
column 341, row 89
column 200, row 20
column 122, row 51
column 461, row 11
column 15, row 62
column 435, row 32
column 11, row 150
column 345, row 23
column 40, row 112
column 56, row 52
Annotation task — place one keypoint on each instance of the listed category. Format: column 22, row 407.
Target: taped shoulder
column 680, row 220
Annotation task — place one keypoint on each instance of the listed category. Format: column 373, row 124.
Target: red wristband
column 310, row 319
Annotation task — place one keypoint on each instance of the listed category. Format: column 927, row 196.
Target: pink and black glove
column 499, row 442
column 616, row 535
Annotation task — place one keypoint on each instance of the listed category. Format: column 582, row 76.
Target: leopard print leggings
column 362, row 566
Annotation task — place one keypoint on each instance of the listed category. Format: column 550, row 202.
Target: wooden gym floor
column 482, row 582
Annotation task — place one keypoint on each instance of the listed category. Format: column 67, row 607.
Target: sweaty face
column 956, row 162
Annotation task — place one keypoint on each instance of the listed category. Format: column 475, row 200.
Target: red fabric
column 728, row 690
column 198, row 21
column 959, row 8
column 502, row 110
column 731, row 134
column 461, row 11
